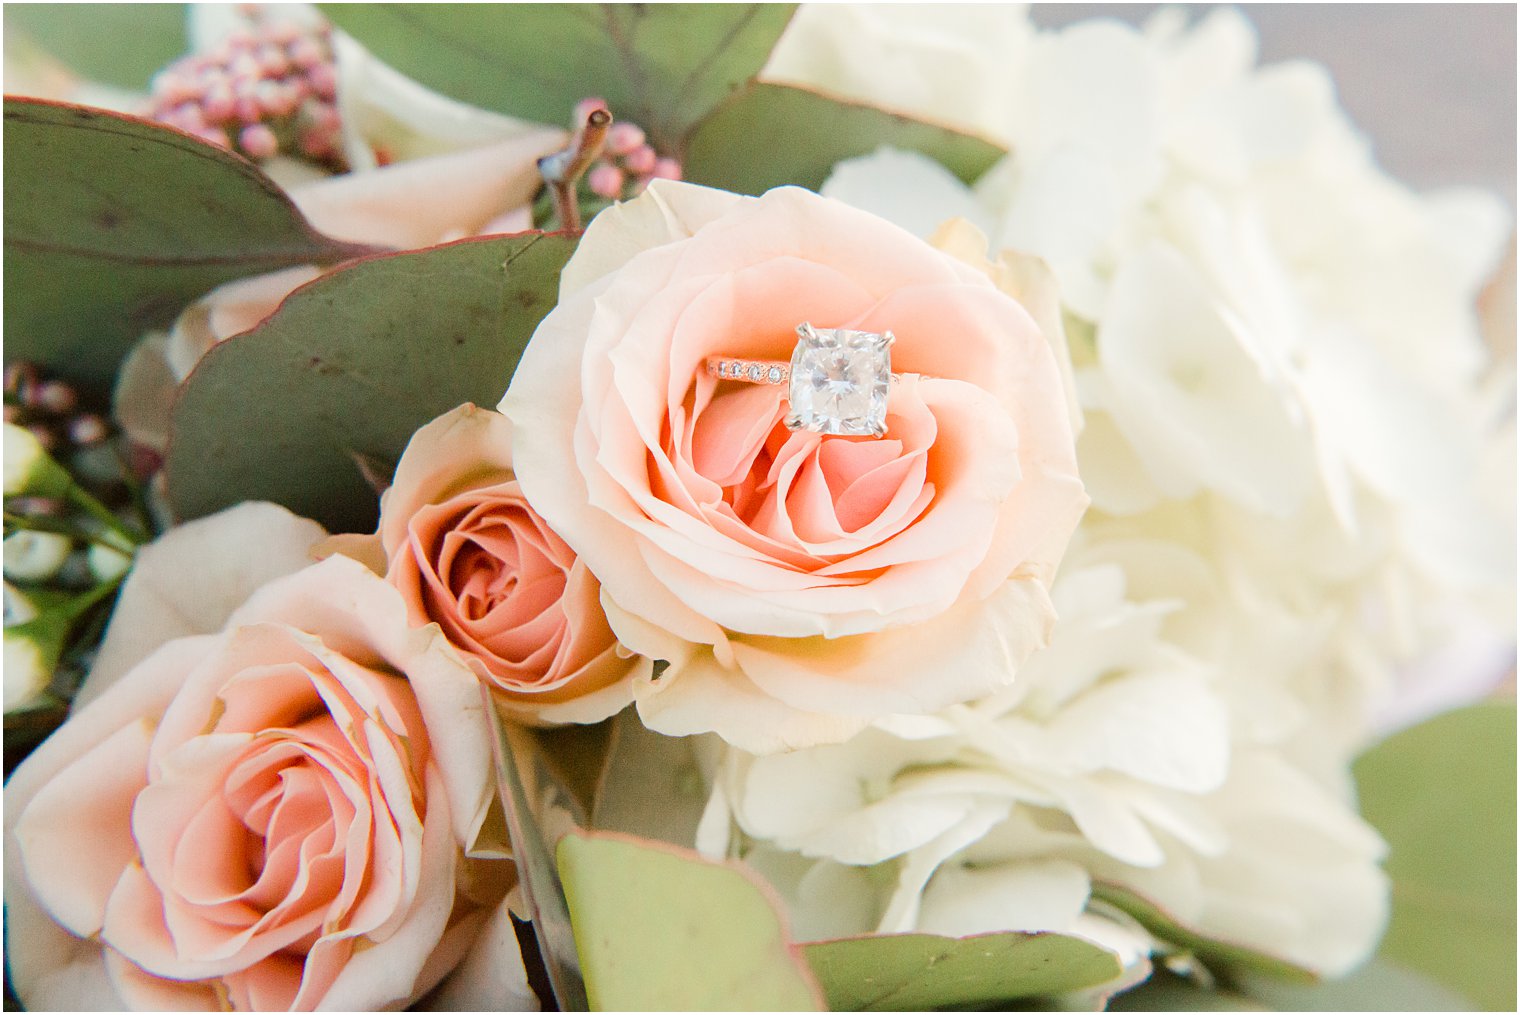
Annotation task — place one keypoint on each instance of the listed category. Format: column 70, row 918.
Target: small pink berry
column 605, row 181
column 169, row 86
column 88, row 430
column 323, row 80
column 273, row 60
column 666, row 169
column 641, row 160
column 56, row 397
column 316, row 143
column 324, row 116
column 258, row 141
column 245, row 66
column 247, row 109
column 12, row 413
column 219, row 104
column 585, row 107
column 624, row 138
column 213, row 135
column 306, row 52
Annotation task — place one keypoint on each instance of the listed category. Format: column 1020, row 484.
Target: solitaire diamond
column 839, row 381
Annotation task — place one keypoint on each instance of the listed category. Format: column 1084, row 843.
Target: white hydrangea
column 1110, row 764
column 1277, row 350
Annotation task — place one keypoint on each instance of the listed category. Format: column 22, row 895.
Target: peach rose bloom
column 467, row 553
column 799, row 585
column 285, row 814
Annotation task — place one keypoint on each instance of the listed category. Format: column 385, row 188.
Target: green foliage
column 113, row 224
column 915, row 972
column 651, row 785
column 662, row 66
column 349, row 368
column 660, row 929
column 1443, row 795
column 1217, row 954
column 769, row 135
column 118, row 44
column 1377, row 986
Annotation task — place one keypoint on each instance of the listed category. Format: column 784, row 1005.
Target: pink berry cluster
column 266, row 89
column 628, row 161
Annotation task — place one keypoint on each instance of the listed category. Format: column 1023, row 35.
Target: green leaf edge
column 763, row 890
column 1213, row 951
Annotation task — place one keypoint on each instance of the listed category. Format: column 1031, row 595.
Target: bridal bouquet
column 743, row 507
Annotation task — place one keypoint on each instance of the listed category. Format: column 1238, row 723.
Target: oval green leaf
column 1443, row 795
column 663, row 66
column 914, row 972
column 805, row 133
column 661, row 929
column 651, row 785
column 113, row 224
column 1216, row 953
column 349, row 367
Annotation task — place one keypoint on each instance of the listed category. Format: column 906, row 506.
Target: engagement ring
column 837, row 381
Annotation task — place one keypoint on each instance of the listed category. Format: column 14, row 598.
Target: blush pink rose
column 798, row 585
column 459, row 541
column 278, row 815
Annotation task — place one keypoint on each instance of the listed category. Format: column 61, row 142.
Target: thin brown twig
column 562, row 170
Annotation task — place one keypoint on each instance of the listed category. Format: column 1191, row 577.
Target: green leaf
column 1443, row 795
column 1166, row 992
column 1377, row 986
column 913, row 972
column 661, row 66
column 650, row 785
column 1217, row 954
column 353, row 364
column 661, row 929
column 90, row 38
column 113, row 224
column 803, row 134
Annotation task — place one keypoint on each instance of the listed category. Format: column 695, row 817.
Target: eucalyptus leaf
column 914, row 972
column 1376, row 986
column 113, row 224
column 1163, row 991
column 661, row 929
column 353, row 364
column 803, row 134
column 663, row 66
column 651, row 785
column 1443, row 795
column 89, row 38
column 1217, row 954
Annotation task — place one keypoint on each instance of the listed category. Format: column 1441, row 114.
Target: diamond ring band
column 837, row 380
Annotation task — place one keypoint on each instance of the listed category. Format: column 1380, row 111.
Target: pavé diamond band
column 837, row 380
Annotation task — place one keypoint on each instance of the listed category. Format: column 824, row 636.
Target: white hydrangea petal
column 1040, row 895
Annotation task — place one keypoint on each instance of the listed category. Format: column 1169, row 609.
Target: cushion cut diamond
column 839, row 381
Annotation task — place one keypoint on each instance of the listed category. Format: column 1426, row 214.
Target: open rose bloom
column 283, row 811
column 461, row 544
column 798, row 584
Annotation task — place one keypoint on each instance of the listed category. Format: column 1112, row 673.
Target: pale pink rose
column 411, row 204
column 798, row 585
column 467, row 553
column 287, row 813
